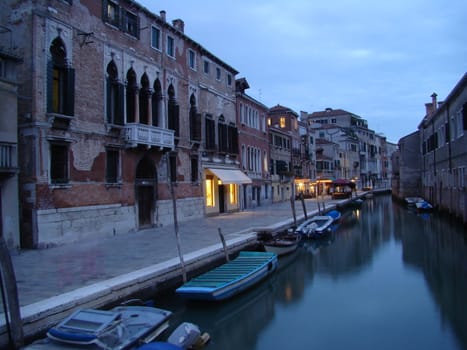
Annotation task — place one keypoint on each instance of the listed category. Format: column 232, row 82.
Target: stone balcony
column 152, row 136
column 8, row 161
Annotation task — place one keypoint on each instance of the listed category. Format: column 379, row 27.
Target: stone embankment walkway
column 51, row 282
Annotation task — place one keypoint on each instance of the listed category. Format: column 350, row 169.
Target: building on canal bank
column 443, row 141
column 117, row 103
column 9, row 201
column 431, row 162
column 253, row 142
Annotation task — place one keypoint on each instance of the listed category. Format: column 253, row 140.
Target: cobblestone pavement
column 45, row 273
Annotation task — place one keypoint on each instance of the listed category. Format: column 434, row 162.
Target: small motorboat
column 412, row 201
column 282, row 244
column 121, row 328
column 423, row 206
column 335, row 214
column 315, row 227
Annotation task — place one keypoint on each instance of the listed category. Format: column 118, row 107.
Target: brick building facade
column 119, row 103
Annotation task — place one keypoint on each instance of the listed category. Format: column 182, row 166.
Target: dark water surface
column 387, row 278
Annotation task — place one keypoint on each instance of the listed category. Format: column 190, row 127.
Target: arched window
column 195, row 120
column 114, row 95
column 173, row 111
column 157, row 104
column 131, row 91
column 60, row 81
column 144, row 100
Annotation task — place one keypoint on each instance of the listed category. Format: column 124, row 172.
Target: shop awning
column 230, row 176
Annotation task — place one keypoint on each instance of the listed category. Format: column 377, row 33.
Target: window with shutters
column 60, row 81
column 59, row 173
column 195, row 121
column 156, row 104
column 131, row 95
column 210, row 133
column 111, row 13
column 173, row 112
column 144, row 95
column 173, row 167
column 115, row 91
column 130, row 23
column 194, row 169
column 222, row 132
column 233, row 139
column 112, row 166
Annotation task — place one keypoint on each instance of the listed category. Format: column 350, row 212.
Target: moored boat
column 315, row 227
column 121, row 328
column 282, row 244
column 230, row 278
column 423, row 206
column 412, row 201
column 335, row 214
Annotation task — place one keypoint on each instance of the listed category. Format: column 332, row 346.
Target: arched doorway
column 145, row 191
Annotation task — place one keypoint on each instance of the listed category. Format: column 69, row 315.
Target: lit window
column 233, row 193
column 209, row 191
column 282, row 122
column 269, row 122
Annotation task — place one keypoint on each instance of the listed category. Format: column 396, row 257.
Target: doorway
column 221, row 199
column 145, row 191
column 145, row 205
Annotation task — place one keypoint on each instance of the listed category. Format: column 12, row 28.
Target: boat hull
column 231, row 278
column 281, row 247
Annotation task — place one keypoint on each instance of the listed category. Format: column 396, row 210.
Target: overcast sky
column 380, row 59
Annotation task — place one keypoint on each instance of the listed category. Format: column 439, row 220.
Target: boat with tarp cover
column 230, row 278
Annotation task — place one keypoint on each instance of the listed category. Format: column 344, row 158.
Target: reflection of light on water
column 288, row 293
column 357, row 213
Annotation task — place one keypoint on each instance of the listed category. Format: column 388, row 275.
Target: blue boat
column 231, row 278
column 121, row 328
column 335, row 214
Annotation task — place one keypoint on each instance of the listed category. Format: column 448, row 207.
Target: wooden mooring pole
column 224, row 246
column 10, row 300
column 174, row 205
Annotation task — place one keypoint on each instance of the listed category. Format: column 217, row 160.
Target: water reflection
column 386, row 277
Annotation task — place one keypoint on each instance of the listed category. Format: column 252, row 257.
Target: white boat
column 121, row 328
column 412, row 201
column 423, row 206
column 315, row 227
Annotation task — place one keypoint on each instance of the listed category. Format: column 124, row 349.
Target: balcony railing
column 140, row 134
column 8, row 160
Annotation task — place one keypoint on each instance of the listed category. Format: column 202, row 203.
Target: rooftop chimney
column 179, row 25
column 433, row 101
column 162, row 13
column 431, row 106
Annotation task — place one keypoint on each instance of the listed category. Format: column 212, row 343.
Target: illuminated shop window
column 233, row 193
column 209, row 192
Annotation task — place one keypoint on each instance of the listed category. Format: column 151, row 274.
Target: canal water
column 386, row 278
